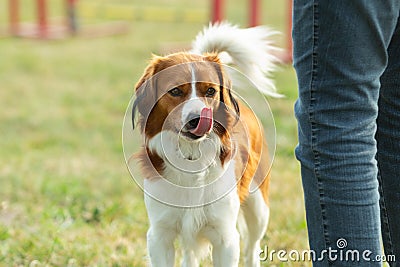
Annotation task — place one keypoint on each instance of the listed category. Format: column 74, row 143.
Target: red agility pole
column 217, row 11
column 42, row 18
column 255, row 19
column 254, row 13
column 13, row 10
column 41, row 28
column 289, row 52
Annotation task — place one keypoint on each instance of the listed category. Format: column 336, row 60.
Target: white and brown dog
column 204, row 149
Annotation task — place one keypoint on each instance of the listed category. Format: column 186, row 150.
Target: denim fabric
column 347, row 57
column 388, row 156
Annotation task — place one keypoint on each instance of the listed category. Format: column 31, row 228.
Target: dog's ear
column 225, row 84
column 146, row 90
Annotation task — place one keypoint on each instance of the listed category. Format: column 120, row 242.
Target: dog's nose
column 193, row 120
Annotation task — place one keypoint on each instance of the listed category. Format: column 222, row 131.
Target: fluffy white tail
column 250, row 49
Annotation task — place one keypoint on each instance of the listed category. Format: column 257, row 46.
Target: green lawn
column 66, row 197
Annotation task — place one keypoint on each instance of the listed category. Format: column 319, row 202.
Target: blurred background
column 66, row 78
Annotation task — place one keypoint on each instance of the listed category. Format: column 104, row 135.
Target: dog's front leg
column 162, row 233
column 222, row 232
column 160, row 245
column 189, row 259
column 226, row 252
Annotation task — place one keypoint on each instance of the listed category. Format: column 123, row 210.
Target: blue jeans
column 347, row 59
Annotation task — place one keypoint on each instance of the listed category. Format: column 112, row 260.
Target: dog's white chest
column 189, row 164
column 195, row 224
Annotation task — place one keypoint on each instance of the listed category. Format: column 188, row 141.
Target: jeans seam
column 314, row 130
column 385, row 217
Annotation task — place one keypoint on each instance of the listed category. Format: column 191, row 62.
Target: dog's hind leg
column 256, row 214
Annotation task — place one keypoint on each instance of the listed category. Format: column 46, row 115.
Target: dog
column 204, row 149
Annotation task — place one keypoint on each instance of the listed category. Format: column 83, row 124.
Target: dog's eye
column 175, row 92
column 210, row 91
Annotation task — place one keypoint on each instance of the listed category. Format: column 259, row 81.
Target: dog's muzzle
column 200, row 124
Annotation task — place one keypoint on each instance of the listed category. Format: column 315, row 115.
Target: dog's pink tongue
column 205, row 122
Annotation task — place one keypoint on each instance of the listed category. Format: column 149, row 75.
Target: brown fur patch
column 252, row 158
column 151, row 164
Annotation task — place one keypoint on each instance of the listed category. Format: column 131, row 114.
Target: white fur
column 250, row 49
column 194, row 104
column 182, row 158
column 194, row 81
column 256, row 215
column 198, row 227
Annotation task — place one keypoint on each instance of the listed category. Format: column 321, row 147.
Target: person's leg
column 388, row 139
column 340, row 51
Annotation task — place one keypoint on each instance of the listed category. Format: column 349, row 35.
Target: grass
column 66, row 197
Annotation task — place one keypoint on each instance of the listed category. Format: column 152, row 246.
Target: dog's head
column 185, row 93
